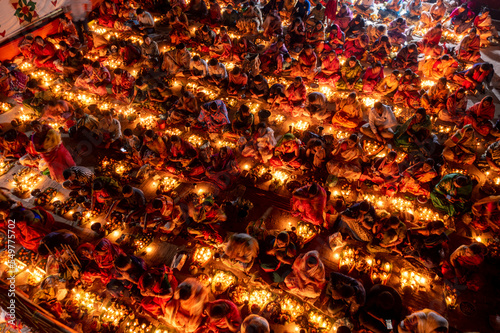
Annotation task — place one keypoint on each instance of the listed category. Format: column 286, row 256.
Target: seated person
column 388, row 86
column 383, row 309
column 417, row 178
column 336, row 40
column 455, row 107
column 315, row 36
column 356, row 46
column 364, row 7
column 186, row 108
column 146, row 22
column 465, row 265
column 40, row 97
column 307, row 278
column 176, row 60
column 222, row 316
column 180, row 26
column 480, row 116
column 272, row 25
column 237, row 82
column 434, row 100
column 372, row 77
column 388, row 234
column 216, row 73
column 182, row 158
column 206, row 212
column 451, row 195
column 474, row 78
column 430, row 243
column 380, row 51
column 205, row 37
column 184, row 311
column 109, row 131
column 296, row 96
column 486, row 214
column 485, row 28
column 261, row 144
column 164, row 212
column 131, row 204
column 309, row 204
column 158, row 98
column 415, row 133
column 316, row 105
column 287, row 152
column 31, row 226
column 150, row 52
column 213, row 116
column 345, row 162
column 408, row 93
column 277, row 95
column 128, row 270
column 381, row 121
column 153, row 150
column 123, row 85
column 330, row 69
column 358, row 220
column 198, row 68
column 230, row 17
column 350, row 75
column 129, row 53
column 14, row 144
column 240, row 252
column 157, row 287
column 242, row 123
column 78, row 178
column 384, row 173
column 424, row 320
column 345, row 295
column 461, row 147
column 276, row 256
column 224, row 169
column 105, row 191
column 258, row 87
column 348, row 113
column 272, row 57
column 407, row 58
column 44, row 54
column 307, row 65
column 132, row 146
column 444, row 66
column 222, row 45
column 469, row 47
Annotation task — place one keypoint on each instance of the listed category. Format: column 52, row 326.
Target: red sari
column 309, row 209
column 155, row 305
column 220, row 326
column 480, row 116
column 41, row 52
column 370, row 79
column 29, row 234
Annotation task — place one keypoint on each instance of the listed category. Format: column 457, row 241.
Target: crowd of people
column 369, row 73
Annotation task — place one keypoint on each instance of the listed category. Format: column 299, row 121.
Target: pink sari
column 310, row 210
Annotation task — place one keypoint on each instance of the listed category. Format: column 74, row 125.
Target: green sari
column 421, row 130
column 446, row 187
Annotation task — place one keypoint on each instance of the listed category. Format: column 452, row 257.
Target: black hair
column 128, row 132
column 66, row 174
column 185, row 291
column 122, row 260
column 157, row 203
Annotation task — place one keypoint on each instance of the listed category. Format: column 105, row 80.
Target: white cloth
column 386, row 120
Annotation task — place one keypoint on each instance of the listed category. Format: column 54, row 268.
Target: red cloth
column 58, row 160
column 309, row 209
column 29, row 234
column 156, row 305
column 331, row 10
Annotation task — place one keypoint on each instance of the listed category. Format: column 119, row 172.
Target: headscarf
column 285, row 138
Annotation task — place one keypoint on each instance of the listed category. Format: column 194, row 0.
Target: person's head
column 69, row 175
column 96, row 64
column 420, row 115
column 400, row 20
column 393, row 222
column 319, row 25
column 308, row 49
column 352, row 140
column 185, row 291
column 384, row 39
column 63, row 45
column 180, row 47
column 213, row 106
column 10, row 135
column 157, row 204
column 280, row 42
column 118, row 71
column 149, row 135
column 127, row 133
column 73, row 51
column 223, row 153
column 37, row 126
column 460, row 181
column 445, row 57
column 428, row 165
column 223, row 30
column 108, row 115
column 123, row 262
column 379, row 107
column 391, row 156
column 258, row 78
column 352, row 61
column 245, row 110
column 229, row 9
column 282, row 239
column 473, row 31
column 412, row 48
column 97, row 185
column 436, row 227
column 346, row 291
column 364, row 206
column 352, row 97
column 442, row 82
column 311, row 261
column 485, row 67
column 438, row 26
column 213, row 62
column 313, row 189
column 39, row 40
column 460, row 93
column 127, row 191
column 197, row 59
column 255, row 324
column 394, row 74
column 487, row 101
column 140, row 11
column 484, row 12
column 287, row 58
column 297, row 81
column 218, row 311
column 476, row 249
column 408, row 74
column 236, row 71
column 147, row 40
column 262, row 128
column 319, row 6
